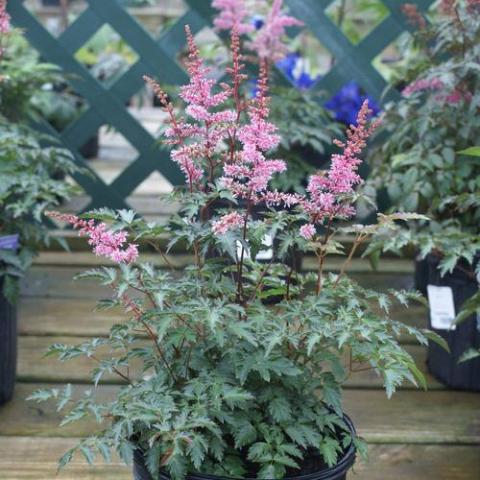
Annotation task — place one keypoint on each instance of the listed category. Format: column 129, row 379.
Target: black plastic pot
column 8, row 347
column 313, row 468
column 442, row 365
column 420, row 279
column 90, row 149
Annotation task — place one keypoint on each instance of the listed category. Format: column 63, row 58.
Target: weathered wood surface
column 416, row 435
column 50, row 280
column 77, row 316
column 439, row 417
column 29, row 458
column 82, row 259
column 34, row 367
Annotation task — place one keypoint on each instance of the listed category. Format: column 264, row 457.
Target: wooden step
column 77, row 317
column 433, row 417
column 28, row 458
column 88, row 259
column 32, row 367
column 52, row 280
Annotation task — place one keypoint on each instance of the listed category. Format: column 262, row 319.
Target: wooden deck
column 415, row 435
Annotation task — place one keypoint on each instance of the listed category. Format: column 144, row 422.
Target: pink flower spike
column 328, row 191
column 105, row 243
column 228, row 222
column 307, row 231
column 268, row 43
column 4, row 17
column 232, row 13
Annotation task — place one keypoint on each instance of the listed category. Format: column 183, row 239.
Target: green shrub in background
column 424, row 163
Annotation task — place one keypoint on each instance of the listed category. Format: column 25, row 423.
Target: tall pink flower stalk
column 328, row 192
column 4, row 18
column 198, row 138
column 268, row 43
column 105, row 242
column 232, row 14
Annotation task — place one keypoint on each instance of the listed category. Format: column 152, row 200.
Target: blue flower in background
column 258, row 22
column 347, row 102
column 294, row 68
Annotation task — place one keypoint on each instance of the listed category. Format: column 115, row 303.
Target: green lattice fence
column 157, row 57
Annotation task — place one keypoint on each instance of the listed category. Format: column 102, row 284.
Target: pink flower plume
column 269, row 41
column 105, row 243
column 228, row 222
column 232, row 14
column 328, row 191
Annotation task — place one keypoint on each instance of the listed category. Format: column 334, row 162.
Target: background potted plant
column 27, row 187
column 427, row 169
column 218, row 384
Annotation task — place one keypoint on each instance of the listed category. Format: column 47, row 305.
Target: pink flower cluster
column 268, row 43
column 247, row 176
column 105, row 243
column 230, row 221
column 423, row 85
column 197, row 141
column 453, row 97
column 4, row 17
column 328, row 191
column 232, row 14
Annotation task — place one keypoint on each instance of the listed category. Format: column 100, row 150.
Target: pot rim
column 347, row 460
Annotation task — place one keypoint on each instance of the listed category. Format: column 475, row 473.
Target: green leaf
column 245, row 435
column 437, row 339
column 65, row 459
column 471, row 151
column 469, row 355
column 329, row 449
column 280, row 409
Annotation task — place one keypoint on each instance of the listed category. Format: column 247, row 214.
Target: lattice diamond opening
column 106, row 55
column 393, row 58
column 357, row 19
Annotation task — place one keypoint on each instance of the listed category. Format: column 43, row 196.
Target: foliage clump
column 235, row 366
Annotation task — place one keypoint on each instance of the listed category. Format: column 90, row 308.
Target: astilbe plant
column 424, row 163
column 216, row 379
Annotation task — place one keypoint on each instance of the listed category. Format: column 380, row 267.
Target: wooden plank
column 32, row 367
column 434, row 417
column 36, row 458
column 87, row 259
column 64, row 316
column 76, row 316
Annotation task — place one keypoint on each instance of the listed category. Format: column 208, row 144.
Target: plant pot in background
column 8, row 347
column 443, row 365
column 420, row 279
column 313, row 467
column 90, row 149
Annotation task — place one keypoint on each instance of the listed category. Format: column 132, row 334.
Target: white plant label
column 442, row 308
column 264, row 255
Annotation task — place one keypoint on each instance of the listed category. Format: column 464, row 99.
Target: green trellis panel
column 156, row 57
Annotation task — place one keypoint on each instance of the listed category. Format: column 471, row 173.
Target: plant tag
column 442, row 308
column 9, row 242
column 262, row 255
column 266, row 254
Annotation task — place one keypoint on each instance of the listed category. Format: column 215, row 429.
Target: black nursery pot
column 91, row 147
column 442, row 365
column 313, row 467
column 8, row 347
